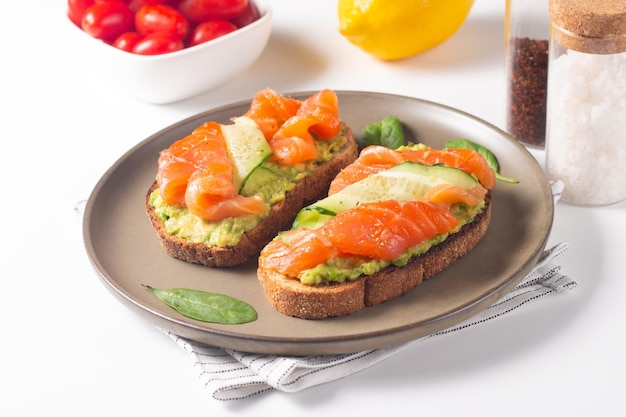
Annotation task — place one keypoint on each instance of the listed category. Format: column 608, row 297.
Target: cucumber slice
column 311, row 219
column 247, row 148
column 404, row 182
column 257, row 180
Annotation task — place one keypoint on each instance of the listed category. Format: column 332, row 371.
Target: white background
column 69, row 348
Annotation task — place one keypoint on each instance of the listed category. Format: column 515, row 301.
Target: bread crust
column 292, row 298
column 280, row 218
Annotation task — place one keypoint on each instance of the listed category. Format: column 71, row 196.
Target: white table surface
column 70, row 348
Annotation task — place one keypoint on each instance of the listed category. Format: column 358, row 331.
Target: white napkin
column 234, row 375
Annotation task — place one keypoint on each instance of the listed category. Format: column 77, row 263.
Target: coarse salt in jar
column 586, row 107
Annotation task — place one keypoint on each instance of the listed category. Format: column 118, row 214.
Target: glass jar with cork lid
column 586, row 104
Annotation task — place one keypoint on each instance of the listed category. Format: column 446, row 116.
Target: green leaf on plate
column 206, row 306
column 486, row 153
column 387, row 132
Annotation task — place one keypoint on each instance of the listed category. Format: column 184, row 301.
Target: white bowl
column 175, row 76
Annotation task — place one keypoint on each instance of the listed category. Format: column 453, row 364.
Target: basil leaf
column 206, row 306
column 387, row 132
column 486, row 153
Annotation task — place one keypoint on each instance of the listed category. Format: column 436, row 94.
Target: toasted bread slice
column 291, row 297
column 280, row 217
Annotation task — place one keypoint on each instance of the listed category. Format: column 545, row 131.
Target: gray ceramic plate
column 126, row 254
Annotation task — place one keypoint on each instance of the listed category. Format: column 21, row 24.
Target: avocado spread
column 270, row 181
column 343, row 269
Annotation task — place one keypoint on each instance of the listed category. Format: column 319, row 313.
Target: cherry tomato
column 108, row 20
column 154, row 18
column 198, row 11
column 158, row 43
column 127, row 41
column 138, row 4
column 210, row 30
column 76, row 9
column 249, row 15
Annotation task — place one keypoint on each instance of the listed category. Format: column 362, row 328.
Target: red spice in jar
column 526, row 117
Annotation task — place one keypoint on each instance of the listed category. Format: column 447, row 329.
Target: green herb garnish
column 486, row 153
column 206, row 306
column 387, row 132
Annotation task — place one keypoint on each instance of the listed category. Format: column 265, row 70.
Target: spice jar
column 586, row 129
column 527, row 31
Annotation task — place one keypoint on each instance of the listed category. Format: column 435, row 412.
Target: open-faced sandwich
column 224, row 191
column 391, row 219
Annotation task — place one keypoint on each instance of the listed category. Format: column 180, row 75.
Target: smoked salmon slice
column 172, row 179
column 380, row 230
column 451, row 194
column 270, row 109
column 376, row 158
column 196, row 172
column 371, row 160
column 296, row 250
column 288, row 124
column 385, row 230
column 322, row 109
column 293, row 143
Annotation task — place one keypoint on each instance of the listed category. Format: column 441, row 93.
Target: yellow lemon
column 396, row 29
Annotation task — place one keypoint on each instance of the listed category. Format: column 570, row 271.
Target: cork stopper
column 593, row 26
